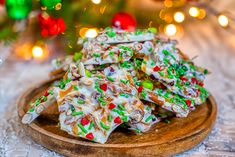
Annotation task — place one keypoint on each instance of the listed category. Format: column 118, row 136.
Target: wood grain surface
column 162, row 140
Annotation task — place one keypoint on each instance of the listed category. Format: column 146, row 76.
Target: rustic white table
column 216, row 50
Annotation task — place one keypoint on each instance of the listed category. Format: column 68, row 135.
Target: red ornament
column 118, row 120
column 124, row 21
column 103, row 86
column 90, row 136
column 2, row 2
column 50, row 25
column 84, row 121
column 112, row 106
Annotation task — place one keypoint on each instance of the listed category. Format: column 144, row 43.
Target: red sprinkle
column 188, row 102
column 140, row 89
column 156, row 68
column 84, row 121
column 194, row 80
column 183, row 78
column 109, row 47
column 200, row 83
column 42, row 100
column 46, row 93
column 118, row 120
column 111, row 106
column 90, row 136
column 103, row 86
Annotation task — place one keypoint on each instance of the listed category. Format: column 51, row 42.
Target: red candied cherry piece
column 84, row 121
column 46, row 93
column 183, row 78
column 103, row 86
column 111, row 106
column 90, row 136
column 188, row 102
column 200, row 83
column 118, row 120
column 140, row 89
column 156, row 68
column 194, row 80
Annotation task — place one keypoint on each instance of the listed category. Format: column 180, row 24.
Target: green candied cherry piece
column 152, row 30
column 77, row 56
column 88, row 73
column 147, row 84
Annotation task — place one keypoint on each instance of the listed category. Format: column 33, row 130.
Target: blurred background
column 32, row 33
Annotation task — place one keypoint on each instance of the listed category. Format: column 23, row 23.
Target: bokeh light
column 194, row 12
column 223, row 20
column 170, row 30
column 91, row 33
column 179, row 17
column 37, row 52
column 96, row 1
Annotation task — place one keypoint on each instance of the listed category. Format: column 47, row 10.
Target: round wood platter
column 162, row 140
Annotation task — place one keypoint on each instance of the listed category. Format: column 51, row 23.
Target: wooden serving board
column 162, row 140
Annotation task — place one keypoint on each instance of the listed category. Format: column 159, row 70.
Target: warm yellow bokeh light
column 96, row 1
column 37, row 52
column 179, row 17
column 194, row 12
column 223, row 20
column 170, row 30
column 91, row 33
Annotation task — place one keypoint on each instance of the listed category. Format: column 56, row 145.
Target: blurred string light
column 170, row 30
column 96, row 1
column 223, row 20
column 37, row 52
column 91, row 33
column 179, row 17
column 194, row 12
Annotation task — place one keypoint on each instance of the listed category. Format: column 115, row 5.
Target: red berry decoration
column 2, row 2
column 84, row 121
column 156, row 68
column 124, row 21
column 112, row 106
column 90, row 136
column 51, row 26
column 118, row 120
column 103, row 86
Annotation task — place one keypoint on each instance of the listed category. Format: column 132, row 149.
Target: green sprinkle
column 77, row 56
column 121, row 107
column 124, row 95
column 166, row 95
column 147, row 84
column 150, row 49
column 77, row 113
column 81, row 101
column 44, row 98
column 96, row 55
column 161, row 73
column 148, row 118
column 138, row 32
column 91, row 125
column 102, row 101
column 110, row 118
column 51, row 92
column 99, row 76
column 118, row 112
column 110, row 79
column 111, row 54
column 165, row 52
column 31, row 109
column 88, row 73
column 106, row 127
column 137, row 131
column 206, row 71
column 124, row 119
column 111, row 33
column 75, row 87
column 143, row 94
column 82, row 128
column 124, row 81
